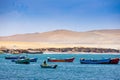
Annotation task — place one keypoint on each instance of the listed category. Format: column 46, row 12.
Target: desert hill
column 100, row 38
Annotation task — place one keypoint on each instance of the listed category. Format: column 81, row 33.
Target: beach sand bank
column 33, row 45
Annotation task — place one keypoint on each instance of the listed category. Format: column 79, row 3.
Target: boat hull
column 114, row 61
column 33, row 59
column 22, row 61
column 48, row 66
column 102, row 61
column 61, row 60
column 14, row 57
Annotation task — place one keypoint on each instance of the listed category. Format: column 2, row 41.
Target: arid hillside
column 65, row 38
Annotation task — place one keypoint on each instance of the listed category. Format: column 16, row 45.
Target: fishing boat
column 34, row 52
column 60, row 60
column 48, row 66
column 100, row 61
column 31, row 59
column 22, row 61
column 14, row 57
column 114, row 61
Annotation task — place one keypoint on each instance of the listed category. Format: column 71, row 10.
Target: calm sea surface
column 65, row 71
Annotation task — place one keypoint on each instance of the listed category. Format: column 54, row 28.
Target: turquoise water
column 65, row 71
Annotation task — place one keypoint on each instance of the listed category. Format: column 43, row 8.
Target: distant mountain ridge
column 66, row 36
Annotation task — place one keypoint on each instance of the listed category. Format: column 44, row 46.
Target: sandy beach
column 33, row 45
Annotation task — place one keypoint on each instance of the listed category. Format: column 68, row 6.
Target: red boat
column 114, row 61
column 61, row 60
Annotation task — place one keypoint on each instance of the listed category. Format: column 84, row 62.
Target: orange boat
column 61, row 60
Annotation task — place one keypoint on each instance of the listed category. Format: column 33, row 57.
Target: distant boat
column 100, row 61
column 35, row 52
column 114, row 61
column 22, row 61
column 60, row 60
column 48, row 66
column 14, row 57
column 31, row 59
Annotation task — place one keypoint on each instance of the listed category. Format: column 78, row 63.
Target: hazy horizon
column 55, row 30
column 28, row 16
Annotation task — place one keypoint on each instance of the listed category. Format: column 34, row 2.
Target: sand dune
column 64, row 38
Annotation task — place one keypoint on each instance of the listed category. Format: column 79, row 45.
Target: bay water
column 65, row 70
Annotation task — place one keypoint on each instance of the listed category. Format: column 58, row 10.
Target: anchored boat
column 14, row 57
column 114, row 61
column 22, row 61
column 48, row 66
column 100, row 61
column 61, row 60
column 31, row 59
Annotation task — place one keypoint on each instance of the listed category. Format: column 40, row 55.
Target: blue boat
column 33, row 59
column 14, row 57
column 30, row 59
column 92, row 61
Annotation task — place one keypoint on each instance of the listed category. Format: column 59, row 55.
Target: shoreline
column 77, row 53
column 76, row 49
column 67, row 53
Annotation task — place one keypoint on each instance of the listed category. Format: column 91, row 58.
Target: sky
column 30, row 16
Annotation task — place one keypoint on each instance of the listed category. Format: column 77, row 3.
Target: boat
column 22, row 61
column 14, row 57
column 48, row 66
column 92, row 61
column 100, row 61
column 31, row 59
column 114, row 61
column 60, row 60
column 34, row 52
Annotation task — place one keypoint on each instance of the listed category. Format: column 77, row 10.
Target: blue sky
column 29, row 16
